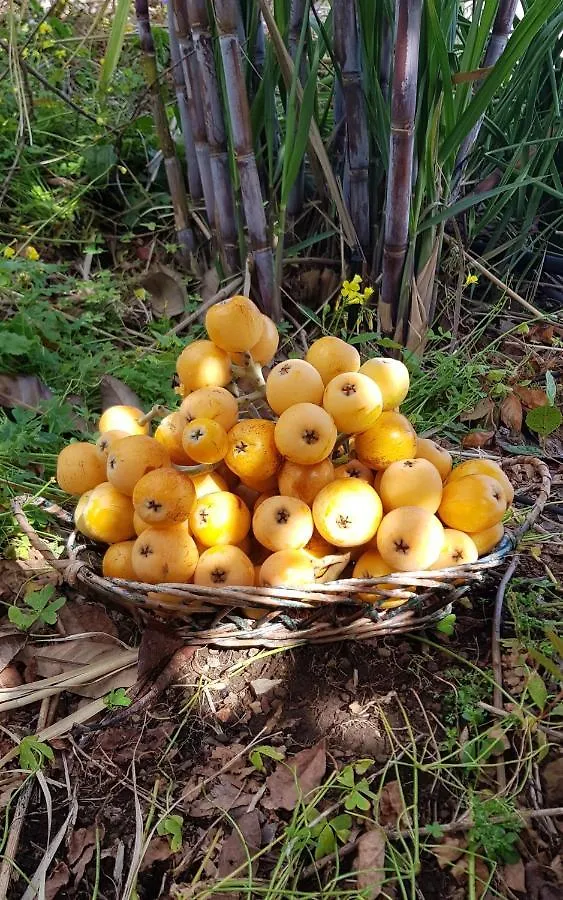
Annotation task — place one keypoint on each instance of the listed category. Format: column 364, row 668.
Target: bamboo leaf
column 114, row 44
column 451, row 211
column 300, row 140
column 524, row 33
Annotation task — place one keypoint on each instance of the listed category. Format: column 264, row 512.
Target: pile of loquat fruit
column 256, row 489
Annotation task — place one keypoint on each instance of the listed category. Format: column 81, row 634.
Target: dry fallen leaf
column 478, row 439
column 552, row 777
column 157, row 851
column 511, row 413
column 81, row 847
column 10, row 677
column 58, row 878
column 52, row 659
column 157, row 646
column 166, row 291
column 243, row 842
column 116, row 393
column 81, row 617
column 514, row 876
column 10, row 645
column 10, row 782
column 481, row 410
column 391, row 805
column 370, row 863
column 226, row 794
column 23, row 390
column 295, row 777
column 450, row 849
column 531, row 397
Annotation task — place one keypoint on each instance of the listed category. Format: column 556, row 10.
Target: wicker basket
column 318, row 614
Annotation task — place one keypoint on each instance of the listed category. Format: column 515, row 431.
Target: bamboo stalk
column 296, row 16
column 401, row 151
column 192, row 168
column 171, row 162
column 347, row 51
column 195, row 105
column 502, row 29
column 253, row 202
column 225, row 219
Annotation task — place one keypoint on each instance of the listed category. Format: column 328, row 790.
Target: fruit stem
column 247, row 398
column 251, row 371
column 157, row 410
column 200, row 469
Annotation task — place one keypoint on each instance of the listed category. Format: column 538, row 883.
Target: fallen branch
column 497, row 659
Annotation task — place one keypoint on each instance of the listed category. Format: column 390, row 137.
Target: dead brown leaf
column 514, row 876
column 157, row 851
column 531, row 397
column 11, row 643
column 226, row 794
column 58, row 878
column 121, row 744
column 116, row 393
column 538, row 882
column 542, row 333
column 51, row 659
column 295, row 777
column 10, row 782
column 243, row 843
column 157, row 646
column 23, row 390
column 481, row 410
column 370, row 863
column 511, row 413
column 450, row 849
column 81, row 847
column 209, row 284
column 81, row 617
column 552, row 777
column 10, row 677
column 166, row 292
column 478, row 439
column 391, row 805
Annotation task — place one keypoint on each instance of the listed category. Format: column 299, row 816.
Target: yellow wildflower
column 31, row 253
column 140, row 293
column 8, row 253
column 44, row 28
column 60, row 54
column 471, row 279
column 350, row 288
column 368, row 292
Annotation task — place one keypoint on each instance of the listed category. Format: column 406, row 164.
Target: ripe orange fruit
column 282, row 523
column 208, row 483
column 202, row 364
column 261, row 485
column 304, row 482
column 205, row 441
column 392, row 378
column 105, row 515
column 305, row 433
column 354, row 469
column 472, row 503
column 220, row 566
column 165, row 555
column 104, row 442
column 79, row 468
column 211, row 403
column 287, row 568
column 458, row 550
column 219, row 518
column 354, row 402
column 372, row 565
column 118, row 561
column 139, row 524
column 487, row 540
column 252, row 452
column 331, row 356
column 484, row 467
column 318, row 548
column 164, row 496
column 411, row 482
column 234, row 325
column 410, row 538
column 293, row 381
column 377, row 479
column 438, row 456
column 132, row 457
column 123, row 418
column 169, row 435
column 347, row 512
column 265, row 348
column 390, row 439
